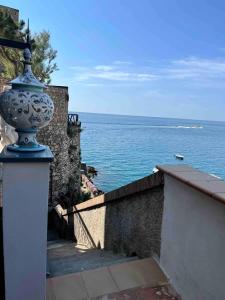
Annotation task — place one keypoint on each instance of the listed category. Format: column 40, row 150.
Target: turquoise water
column 126, row 148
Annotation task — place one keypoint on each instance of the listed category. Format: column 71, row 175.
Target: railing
column 73, row 119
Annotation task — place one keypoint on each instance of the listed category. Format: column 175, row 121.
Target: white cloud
column 104, row 68
column 93, row 84
column 109, row 73
column 192, row 69
column 195, row 68
column 78, row 68
column 116, row 76
column 121, row 62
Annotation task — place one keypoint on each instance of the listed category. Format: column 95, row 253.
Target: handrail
column 73, row 119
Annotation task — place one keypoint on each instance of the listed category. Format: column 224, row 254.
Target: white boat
column 215, row 176
column 179, row 156
column 155, row 170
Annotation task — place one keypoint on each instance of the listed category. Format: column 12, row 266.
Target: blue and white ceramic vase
column 27, row 108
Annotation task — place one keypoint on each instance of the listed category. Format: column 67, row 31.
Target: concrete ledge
column 99, row 200
column 7, row 156
column 57, row 86
column 137, row 186
column 126, row 220
column 148, row 182
column 205, row 183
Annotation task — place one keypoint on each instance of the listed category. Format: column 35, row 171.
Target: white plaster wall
column 193, row 242
column 25, row 206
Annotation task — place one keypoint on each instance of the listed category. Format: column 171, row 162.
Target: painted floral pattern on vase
column 25, row 109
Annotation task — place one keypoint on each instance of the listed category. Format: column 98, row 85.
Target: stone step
column 52, row 235
column 65, row 257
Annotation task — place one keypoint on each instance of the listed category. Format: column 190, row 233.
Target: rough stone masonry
column 63, row 138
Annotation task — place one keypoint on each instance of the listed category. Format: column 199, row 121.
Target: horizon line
column 158, row 117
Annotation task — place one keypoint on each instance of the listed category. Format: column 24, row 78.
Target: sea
column 126, row 148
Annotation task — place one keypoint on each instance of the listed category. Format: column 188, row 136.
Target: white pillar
column 25, row 207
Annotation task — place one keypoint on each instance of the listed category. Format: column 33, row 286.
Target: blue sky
column 147, row 57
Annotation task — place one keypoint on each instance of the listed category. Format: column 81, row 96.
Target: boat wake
column 174, row 127
column 147, row 125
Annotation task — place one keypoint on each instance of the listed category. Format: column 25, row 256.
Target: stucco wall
column 126, row 220
column 89, row 227
column 25, row 201
column 193, row 241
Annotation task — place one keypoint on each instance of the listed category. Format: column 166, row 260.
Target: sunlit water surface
column 126, row 148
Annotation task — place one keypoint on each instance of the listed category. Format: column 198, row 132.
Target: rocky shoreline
column 88, row 188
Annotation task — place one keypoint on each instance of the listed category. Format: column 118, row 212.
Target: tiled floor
column 130, row 280
column 156, row 293
column 144, row 272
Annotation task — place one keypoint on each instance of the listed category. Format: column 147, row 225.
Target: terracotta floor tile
column 158, row 293
column 144, row 272
column 69, row 287
column 49, row 290
column 99, row 282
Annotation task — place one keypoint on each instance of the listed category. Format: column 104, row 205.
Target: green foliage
column 91, row 172
column 84, row 197
column 43, row 55
column 71, row 131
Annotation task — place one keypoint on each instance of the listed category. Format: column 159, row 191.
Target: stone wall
column 65, row 170
column 127, row 220
column 14, row 13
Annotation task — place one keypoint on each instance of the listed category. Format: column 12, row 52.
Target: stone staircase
column 80, row 273
column 65, row 257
